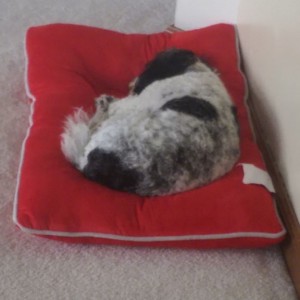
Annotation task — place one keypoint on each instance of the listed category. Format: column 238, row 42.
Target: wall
column 270, row 39
column 269, row 32
column 199, row 13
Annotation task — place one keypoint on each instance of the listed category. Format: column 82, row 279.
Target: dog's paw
column 103, row 101
column 132, row 84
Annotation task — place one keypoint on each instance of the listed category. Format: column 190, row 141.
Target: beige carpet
column 33, row 268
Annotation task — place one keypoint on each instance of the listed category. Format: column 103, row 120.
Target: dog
column 176, row 130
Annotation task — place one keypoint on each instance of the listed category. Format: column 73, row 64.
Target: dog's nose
column 106, row 168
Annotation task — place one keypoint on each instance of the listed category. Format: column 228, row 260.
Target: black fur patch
column 166, row 64
column 234, row 112
column 106, row 168
column 193, row 106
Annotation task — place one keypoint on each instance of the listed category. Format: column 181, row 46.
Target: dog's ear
column 166, row 64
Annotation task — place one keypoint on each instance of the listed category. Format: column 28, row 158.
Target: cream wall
column 198, row 13
column 270, row 38
column 269, row 31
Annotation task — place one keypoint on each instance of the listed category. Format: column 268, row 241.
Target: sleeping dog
column 175, row 131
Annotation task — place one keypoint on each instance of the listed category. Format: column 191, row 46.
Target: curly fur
column 176, row 131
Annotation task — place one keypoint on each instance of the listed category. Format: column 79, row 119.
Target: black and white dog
column 176, row 130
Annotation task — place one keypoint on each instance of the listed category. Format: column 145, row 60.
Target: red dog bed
column 68, row 66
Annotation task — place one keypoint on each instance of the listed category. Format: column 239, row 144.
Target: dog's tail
column 76, row 135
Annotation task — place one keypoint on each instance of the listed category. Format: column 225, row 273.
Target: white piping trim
column 32, row 97
column 266, row 235
column 231, row 235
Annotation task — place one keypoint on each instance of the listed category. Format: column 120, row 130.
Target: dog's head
column 166, row 64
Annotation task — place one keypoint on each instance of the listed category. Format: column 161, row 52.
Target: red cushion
column 68, row 66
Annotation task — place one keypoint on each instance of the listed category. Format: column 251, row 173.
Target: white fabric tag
column 254, row 175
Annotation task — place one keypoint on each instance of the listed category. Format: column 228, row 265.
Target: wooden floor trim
column 291, row 246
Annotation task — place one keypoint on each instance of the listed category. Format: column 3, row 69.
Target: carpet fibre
column 36, row 268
